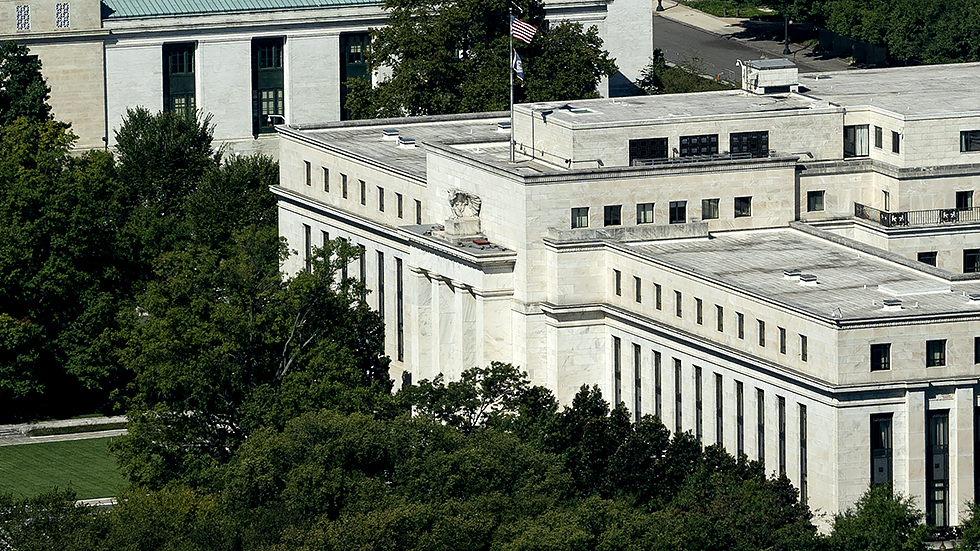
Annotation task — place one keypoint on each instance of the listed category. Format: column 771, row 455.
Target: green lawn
column 30, row 469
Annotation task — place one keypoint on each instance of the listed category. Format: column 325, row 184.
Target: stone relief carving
column 464, row 204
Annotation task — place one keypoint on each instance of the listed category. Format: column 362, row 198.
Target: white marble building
column 792, row 271
column 240, row 60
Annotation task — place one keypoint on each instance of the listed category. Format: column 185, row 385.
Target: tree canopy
column 23, row 92
column 452, row 57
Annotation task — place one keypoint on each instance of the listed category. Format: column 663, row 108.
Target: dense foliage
column 452, row 57
column 660, row 78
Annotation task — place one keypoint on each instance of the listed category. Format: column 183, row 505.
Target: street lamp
column 660, row 5
column 786, row 35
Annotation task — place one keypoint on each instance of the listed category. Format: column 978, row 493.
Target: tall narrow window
column 678, row 308
column 781, row 420
column 677, row 396
column 881, row 448
column 698, row 311
column 343, row 185
column 886, row 203
column 353, row 47
column 719, row 412
column 307, row 248
column 400, row 308
column 381, row 199
column 803, row 348
column 363, row 185
column 762, row 333
column 418, row 212
column 178, row 79
column 760, row 404
column 637, row 289
column 62, row 15
column 878, row 140
column 658, row 296
column 326, row 179
column 896, row 142
column 381, row 285
column 637, row 394
column 362, row 268
column 268, row 92
column 803, row 458
column 937, row 470
column 739, row 419
column 740, row 324
column 324, row 239
column 617, row 370
column 782, row 340
column 720, row 317
column 309, row 173
column 657, row 386
column 698, row 421
column 618, row 282
column 399, row 204
column 976, row 351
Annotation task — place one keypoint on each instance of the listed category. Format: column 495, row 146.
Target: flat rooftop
column 847, row 281
column 117, row 9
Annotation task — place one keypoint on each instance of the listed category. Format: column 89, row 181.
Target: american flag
column 521, row 30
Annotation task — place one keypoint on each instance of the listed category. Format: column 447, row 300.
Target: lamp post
column 660, row 5
column 786, row 35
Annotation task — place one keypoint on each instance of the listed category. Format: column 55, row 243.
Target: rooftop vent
column 769, row 76
column 892, row 304
column 503, row 126
column 406, row 142
column 791, row 274
column 974, row 297
column 389, row 134
column 808, row 279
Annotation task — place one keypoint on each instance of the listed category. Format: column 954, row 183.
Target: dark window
column 399, row 203
column 618, row 370
column 362, row 266
column 677, row 396
column 782, row 339
column 698, row 311
column 937, row 469
column 762, row 333
column 400, row 308
column 363, row 192
column 637, row 394
column 720, row 317
column 964, row 200
column 719, row 411
column 936, row 353
column 896, row 141
column 178, row 79
column 881, row 448
column 343, row 185
column 976, row 350
column 881, row 357
column 760, row 404
column 706, row 144
column 743, row 207
column 352, row 65
column 326, row 179
column 418, row 212
column 580, row 217
column 709, row 209
column 803, row 348
column 970, row 140
column 739, row 419
column 637, row 289
column 309, row 173
column 678, row 307
column 657, row 386
column 618, row 282
column 658, row 295
column 698, row 419
column 381, row 199
column 644, row 213
column 928, row 257
column 307, row 248
column 971, row 261
column 878, row 139
column 268, row 102
column 814, row 200
column 803, row 454
column 612, row 215
column 740, row 324
column 856, row 141
column 381, row 286
column 647, row 149
column 781, row 420
column 756, row 144
column 677, row 212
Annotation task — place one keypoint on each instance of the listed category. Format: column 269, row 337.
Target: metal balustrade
column 917, row 218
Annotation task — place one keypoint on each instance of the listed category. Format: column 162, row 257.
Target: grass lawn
column 31, row 469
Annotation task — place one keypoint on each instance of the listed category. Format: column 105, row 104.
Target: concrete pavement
column 11, row 435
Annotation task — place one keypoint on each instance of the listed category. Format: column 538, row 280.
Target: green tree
column 452, row 57
column 660, row 78
column 23, row 92
column 49, row 521
column 880, row 521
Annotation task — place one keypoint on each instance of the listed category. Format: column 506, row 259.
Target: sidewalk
column 11, row 435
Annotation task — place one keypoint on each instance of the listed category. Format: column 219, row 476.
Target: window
column 677, row 396
column 781, row 421
column 886, row 200
column 719, row 412
column 678, row 309
column 856, row 141
column 803, row 461
column 309, row 173
column 878, row 139
column 969, row 139
column 617, row 370
column 399, row 204
column 706, row 144
column 976, row 350
column 363, row 192
column 762, row 333
column 343, row 185
column 637, row 289
column 400, row 308
column 418, row 212
column 743, row 207
column 814, row 201
column 936, row 353
column 698, row 311
column 756, row 144
column 881, row 448
column 324, row 239
column 720, row 317
column 677, row 212
column 381, row 199
column 178, row 79
column 268, row 103
column 326, row 179
column 927, row 257
column 637, row 394
column 580, row 217
column 353, row 64
column 740, row 324
column 23, row 17
column 803, row 348
column 612, row 215
column 971, row 261
column 760, row 404
column 709, row 209
column 644, row 213
column 362, row 267
column 647, row 149
column 307, row 248
column 658, row 296
column 698, row 419
column 937, row 469
column 881, row 357
column 739, row 419
column 62, row 16
column 896, row 140
column 381, row 286
column 964, row 200
column 782, row 339
column 618, row 282
column 657, row 386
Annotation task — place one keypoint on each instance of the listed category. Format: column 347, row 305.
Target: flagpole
column 510, row 71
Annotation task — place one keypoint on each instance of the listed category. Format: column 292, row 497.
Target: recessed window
column 881, row 357
column 856, row 141
column 580, row 217
column 647, row 149
column 971, row 261
column 644, row 213
column 418, row 212
column 881, row 448
column 936, row 353
column 886, row 201
column 23, row 17
column 927, row 257
column 720, row 317
column 755, row 144
column 399, row 203
column 896, row 142
column 698, row 311
column 612, row 215
column 381, row 199
column 803, row 348
column 677, row 212
column 658, row 296
column 969, row 140
column 743, row 207
column 343, row 185
column 268, row 84
column 976, row 350
column 740, row 324
column 709, row 209
column 62, row 15
column 762, row 333
column 878, row 139
column 178, row 79
column 782, row 340
column 309, row 173
column 964, row 200
column 618, row 282
column 678, row 308
column 363, row 192
column 637, row 289
column 705, row 144
column 326, row 179
column 814, row 200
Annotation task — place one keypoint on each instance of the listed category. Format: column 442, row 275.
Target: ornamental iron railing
column 911, row 218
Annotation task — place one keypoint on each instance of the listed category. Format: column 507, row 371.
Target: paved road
column 12, row 435
column 713, row 54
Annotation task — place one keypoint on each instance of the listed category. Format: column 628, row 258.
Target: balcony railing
column 913, row 218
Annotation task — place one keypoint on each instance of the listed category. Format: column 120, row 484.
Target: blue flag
column 518, row 67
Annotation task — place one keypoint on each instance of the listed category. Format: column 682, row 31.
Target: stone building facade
column 790, row 271
column 240, row 60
